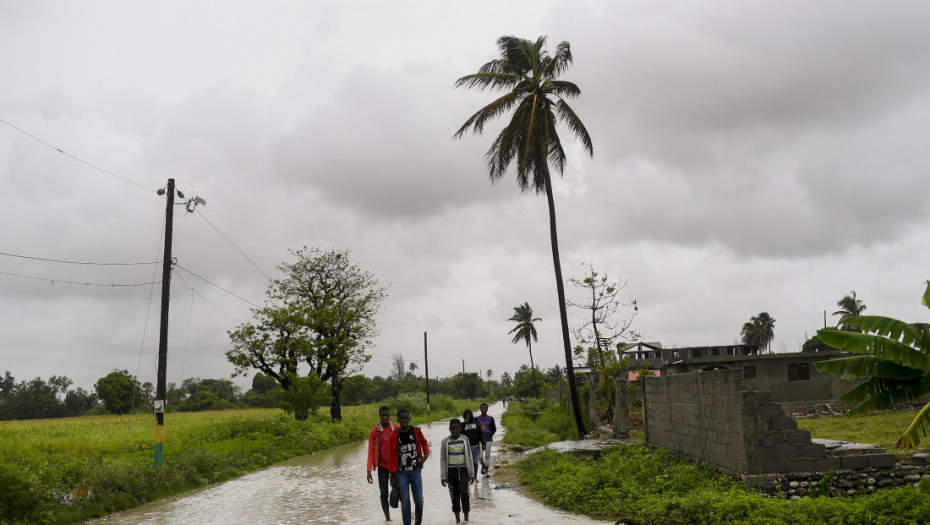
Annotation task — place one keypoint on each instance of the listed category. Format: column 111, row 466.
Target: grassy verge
column 882, row 429
column 69, row 470
column 642, row 485
column 534, row 422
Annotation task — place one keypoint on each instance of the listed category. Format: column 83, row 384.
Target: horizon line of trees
column 119, row 392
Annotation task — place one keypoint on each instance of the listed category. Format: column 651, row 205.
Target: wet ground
column 329, row 487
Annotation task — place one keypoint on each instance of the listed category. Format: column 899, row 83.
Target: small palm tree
column 534, row 96
column 893, row 358
column 525, row 331
column 759, row 330
column 850, row 306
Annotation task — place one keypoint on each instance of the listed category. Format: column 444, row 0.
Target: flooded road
column 329, row 487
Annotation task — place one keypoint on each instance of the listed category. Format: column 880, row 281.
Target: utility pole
column 464, row 384
column 426, row 369
column 160, row 394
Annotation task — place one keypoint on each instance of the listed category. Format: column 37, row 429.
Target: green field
column 68, row 470
column 882, row 429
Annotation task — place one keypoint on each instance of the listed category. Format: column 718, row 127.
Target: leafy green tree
column 321, row 314
column 196, row 394
column 358, row 390
column 524, row 382
column 535, row 97
column 265, row 392
column 759, row 330
column 525, row 331
column 118, row 391
column 304, row 396
column 850, row 306
column 893, row 358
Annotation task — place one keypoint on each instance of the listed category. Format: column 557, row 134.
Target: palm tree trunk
column 560, row 287
column 529, row 345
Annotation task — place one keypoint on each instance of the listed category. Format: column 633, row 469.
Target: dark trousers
column 458, row 488
column 384, row 482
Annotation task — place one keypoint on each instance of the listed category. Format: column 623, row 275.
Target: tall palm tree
column 534, row 96
column 526, row 331
column 850, row 306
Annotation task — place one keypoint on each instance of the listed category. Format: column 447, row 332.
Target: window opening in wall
column 799, row 372
column 749, row 372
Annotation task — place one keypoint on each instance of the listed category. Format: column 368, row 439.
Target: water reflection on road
column 329, row 487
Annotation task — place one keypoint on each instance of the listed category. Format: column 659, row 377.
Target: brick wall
column 712, row 416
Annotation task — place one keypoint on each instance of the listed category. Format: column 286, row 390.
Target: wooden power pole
column 160, row 394
column 426, row 370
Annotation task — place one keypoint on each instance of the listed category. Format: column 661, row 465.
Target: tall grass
column 536, row 422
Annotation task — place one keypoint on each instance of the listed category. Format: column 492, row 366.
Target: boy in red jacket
column 381, row 456
column 410, row 450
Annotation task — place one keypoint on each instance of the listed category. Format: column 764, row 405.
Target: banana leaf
column 919, row 427
column 860, row 366
column 881, row 347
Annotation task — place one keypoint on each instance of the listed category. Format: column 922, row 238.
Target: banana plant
column 892, row 358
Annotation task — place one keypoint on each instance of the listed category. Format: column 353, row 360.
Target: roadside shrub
column 21, row 497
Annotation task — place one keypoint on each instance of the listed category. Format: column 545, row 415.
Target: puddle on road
column 329, row 487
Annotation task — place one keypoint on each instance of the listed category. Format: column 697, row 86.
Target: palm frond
column 492, row 80
column 524, row 56
column 926, row 298
column 492, row 110
column 577, row 127
column 920, row 426
column 562, row 88
column 877, row 345
column 560, row 62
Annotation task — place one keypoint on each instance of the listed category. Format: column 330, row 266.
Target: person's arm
column 444, row 461
column 424, row 445
column 372, row 454
column 493, row 427
column 469, row 460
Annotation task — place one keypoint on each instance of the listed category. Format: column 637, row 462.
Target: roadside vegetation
column 69, row 470
column 637, row 484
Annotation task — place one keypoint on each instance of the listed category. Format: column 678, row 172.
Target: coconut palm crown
column 530, row 141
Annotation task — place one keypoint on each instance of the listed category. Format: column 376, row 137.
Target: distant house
column 789, row 377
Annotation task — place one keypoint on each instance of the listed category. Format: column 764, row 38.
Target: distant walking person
column 456, row 468
column 380, row 456
column 409, row 450
column 475, row 435
column 488, row 426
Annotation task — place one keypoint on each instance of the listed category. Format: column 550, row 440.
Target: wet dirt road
column 329, row 487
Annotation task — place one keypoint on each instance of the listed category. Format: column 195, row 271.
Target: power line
column 216, row 286
column 59, row 150
column 232, row 244
column 62, row 281
column 194, row 290
column 76, row 262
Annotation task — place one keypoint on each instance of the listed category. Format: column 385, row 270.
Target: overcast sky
column 748, row 157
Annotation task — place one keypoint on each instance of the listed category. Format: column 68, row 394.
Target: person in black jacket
column 475, row 434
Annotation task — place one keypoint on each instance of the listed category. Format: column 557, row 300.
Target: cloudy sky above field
column 748, row 157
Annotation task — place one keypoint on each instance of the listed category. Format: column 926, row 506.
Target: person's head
column 467, row 415
column 403, row 417
column 385, row 414
column 484, row 409
column 455, row 428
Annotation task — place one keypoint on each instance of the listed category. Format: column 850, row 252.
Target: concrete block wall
column 713, row 417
